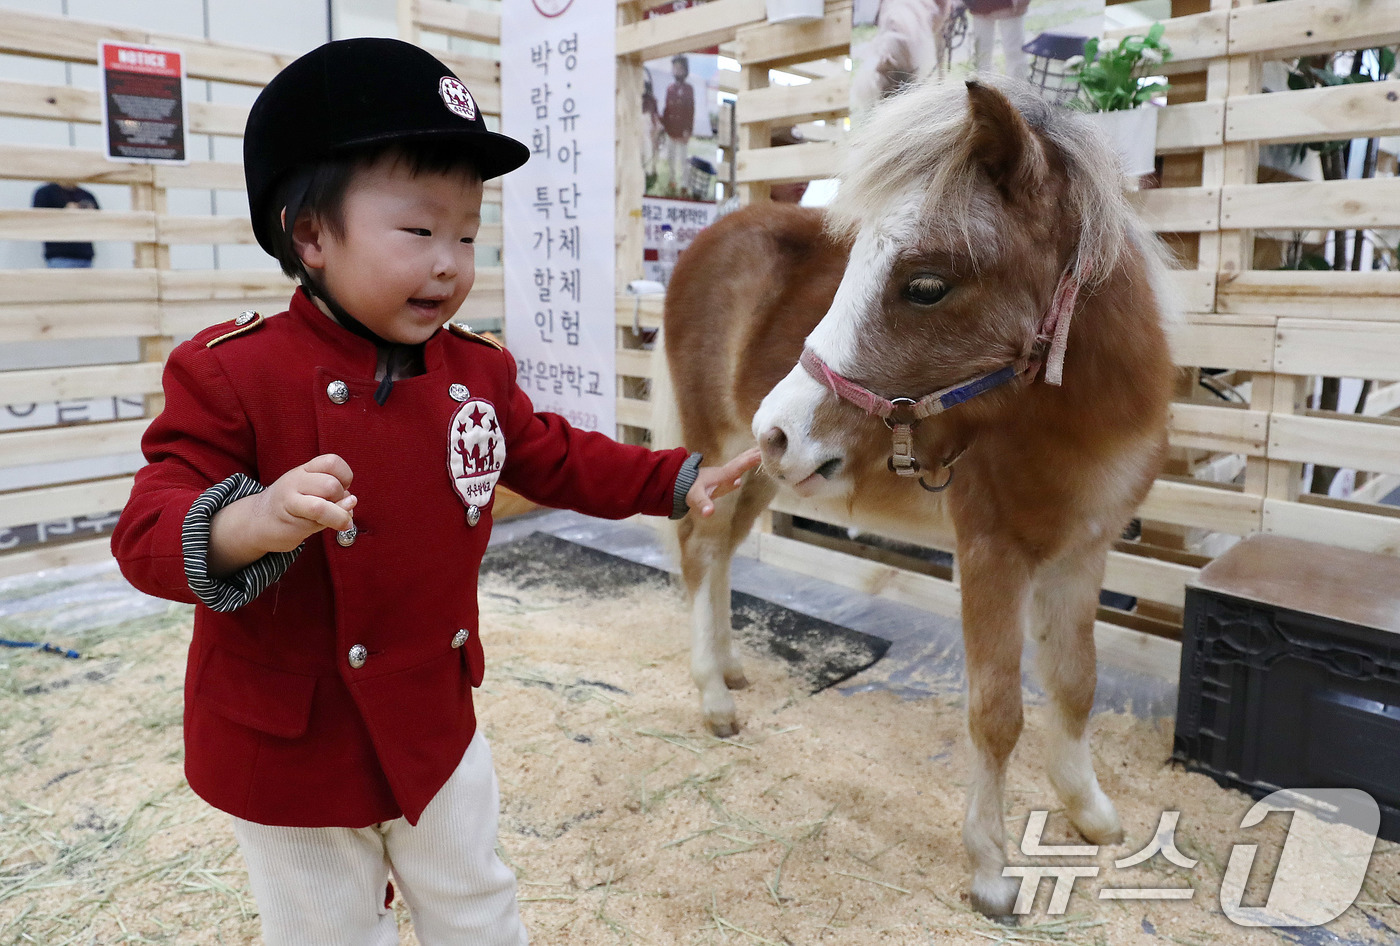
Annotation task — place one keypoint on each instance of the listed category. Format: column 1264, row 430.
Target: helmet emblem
column 456, row 97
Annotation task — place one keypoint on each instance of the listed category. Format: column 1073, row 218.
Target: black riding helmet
column 360, row 92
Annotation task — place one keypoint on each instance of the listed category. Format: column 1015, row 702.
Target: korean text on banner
column 143, row 103
column 558, row 76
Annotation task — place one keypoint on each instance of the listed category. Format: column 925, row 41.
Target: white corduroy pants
column 326, row 886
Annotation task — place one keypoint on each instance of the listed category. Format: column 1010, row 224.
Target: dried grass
column 831, row 819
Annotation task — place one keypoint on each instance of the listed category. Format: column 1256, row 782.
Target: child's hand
column 305, row 500
column 302, row 502
column 713, row 482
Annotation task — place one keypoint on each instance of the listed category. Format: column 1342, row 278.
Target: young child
column 320, row 483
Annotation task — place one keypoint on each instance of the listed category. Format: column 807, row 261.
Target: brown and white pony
column 980, row 242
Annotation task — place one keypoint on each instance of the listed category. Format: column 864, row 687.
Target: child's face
column 404, row 262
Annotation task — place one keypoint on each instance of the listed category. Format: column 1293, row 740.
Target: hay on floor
column 832, row 818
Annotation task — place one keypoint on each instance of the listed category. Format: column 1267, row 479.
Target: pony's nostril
column 775, row 442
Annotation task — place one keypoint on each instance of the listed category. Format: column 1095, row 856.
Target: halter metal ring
column 898, row 403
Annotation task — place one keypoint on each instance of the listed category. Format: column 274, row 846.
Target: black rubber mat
column 819, row 652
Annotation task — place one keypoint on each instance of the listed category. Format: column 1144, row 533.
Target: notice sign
column 558, row 76
column 143, row 102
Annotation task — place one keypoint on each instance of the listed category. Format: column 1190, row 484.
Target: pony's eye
column 925, row 290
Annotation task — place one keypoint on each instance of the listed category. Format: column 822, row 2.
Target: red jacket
column 279, row 727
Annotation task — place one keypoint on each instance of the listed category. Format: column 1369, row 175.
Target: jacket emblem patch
column 476, row 451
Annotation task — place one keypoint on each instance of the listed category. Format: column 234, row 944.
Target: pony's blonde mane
column 918, row 142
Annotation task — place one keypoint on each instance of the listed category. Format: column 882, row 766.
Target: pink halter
column 1051, row 342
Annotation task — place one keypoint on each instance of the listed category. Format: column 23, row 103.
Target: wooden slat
column 1370, row 532
column 1226, row 429
column 790, row 104
column 458, row 20
column 178, row 285
column 1224, row 342
column 70, row 104
column 1150, row 578
column 1309, row 204
column 37, row 321
column 21, row 162
column 1338, row 349
column 1303, row 27
column 784, row 44
column 57, row 555
column 479, row 74
column 696, row 28
column 1179, row 209
column 804, row 162
column 1217, row 508
column 1362, row 110
column 634, row 362
column 628, row 308
column 204, row 175
column 180, row 230
column 849, row 571
column 189, row 317
column 26, row 506
column 1362, row 444
column 61, row 384
column 1193, row 39
column 130, row 225
column 76, row 442
column 73, row 40
column 1189, row 127
column 633, row 412
column 1316, row 295
column 76, row 285
column 1194, row 289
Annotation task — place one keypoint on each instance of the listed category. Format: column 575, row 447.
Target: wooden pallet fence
column 1264, row 335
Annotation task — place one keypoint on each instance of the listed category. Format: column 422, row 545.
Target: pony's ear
column 1003, row 143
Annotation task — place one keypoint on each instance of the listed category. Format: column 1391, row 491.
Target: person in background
column 59, row 196
column 678, row 118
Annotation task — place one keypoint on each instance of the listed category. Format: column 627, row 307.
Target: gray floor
column 925, row 656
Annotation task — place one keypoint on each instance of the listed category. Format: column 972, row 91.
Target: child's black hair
column 320, row 189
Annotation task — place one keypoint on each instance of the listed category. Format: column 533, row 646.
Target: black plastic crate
column 1290, row 672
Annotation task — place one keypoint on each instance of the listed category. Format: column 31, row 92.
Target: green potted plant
column 1115, row 86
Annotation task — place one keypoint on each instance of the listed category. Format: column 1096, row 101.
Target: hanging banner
column 558, row 82
column 896, row 42
column 143, row 103
column 679, row 147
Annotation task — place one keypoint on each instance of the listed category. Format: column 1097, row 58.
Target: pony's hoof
column 735, row 679
column 995, row 898
column 1098, row 821
column 722, row 727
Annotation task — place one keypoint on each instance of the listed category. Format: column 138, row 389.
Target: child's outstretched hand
column 712, row 482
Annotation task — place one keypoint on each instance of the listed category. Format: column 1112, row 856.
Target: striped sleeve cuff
column 685, row 479
column 236, row 590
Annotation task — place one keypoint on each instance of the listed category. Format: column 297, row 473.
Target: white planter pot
column 1133, row 134
column 795, row 11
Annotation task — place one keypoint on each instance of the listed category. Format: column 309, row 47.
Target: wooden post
column 152, row 198
column 752, row 135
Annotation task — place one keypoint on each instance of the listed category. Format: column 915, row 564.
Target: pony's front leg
column 1062, row 622
column 705, row 569
column 706, row 548
column 995, row 598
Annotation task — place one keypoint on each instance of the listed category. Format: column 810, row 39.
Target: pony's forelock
column 916, row 143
